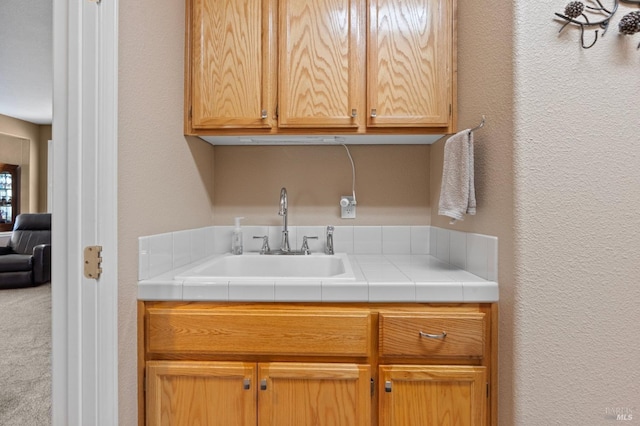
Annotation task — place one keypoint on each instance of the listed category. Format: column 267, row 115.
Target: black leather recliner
column 26, row 260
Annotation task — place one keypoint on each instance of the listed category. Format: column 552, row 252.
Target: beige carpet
column 25, row 356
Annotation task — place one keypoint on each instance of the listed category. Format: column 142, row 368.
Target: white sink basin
column 273, row 268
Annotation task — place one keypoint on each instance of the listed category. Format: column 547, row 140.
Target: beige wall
column 485, row 87
column 43, row 167
column 34, row 165
column 392, row 184
column 165, row 182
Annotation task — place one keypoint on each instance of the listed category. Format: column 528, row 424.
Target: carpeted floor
column 25, row 356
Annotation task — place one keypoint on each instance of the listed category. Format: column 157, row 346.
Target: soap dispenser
column 236, row 238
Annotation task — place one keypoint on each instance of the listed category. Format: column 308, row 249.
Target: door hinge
column 92, row 262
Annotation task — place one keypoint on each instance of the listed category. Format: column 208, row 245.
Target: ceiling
column 26, row 57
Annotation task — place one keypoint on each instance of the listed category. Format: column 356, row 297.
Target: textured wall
column 558, row 181
column 165, row 183
column 577, row 196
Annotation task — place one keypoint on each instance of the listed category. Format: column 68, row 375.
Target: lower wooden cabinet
column 241, row 394
column 296, row 394
column 420, row 395
column 201, row 393
column 226, row 364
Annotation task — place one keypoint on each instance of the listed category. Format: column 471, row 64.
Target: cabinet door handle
column 433, row 336
column 263, row 384
column 354, row 113
column 263, row 114
column 246, row 384
column 374, row 113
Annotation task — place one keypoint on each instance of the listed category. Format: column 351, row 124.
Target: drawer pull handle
column 434, row 336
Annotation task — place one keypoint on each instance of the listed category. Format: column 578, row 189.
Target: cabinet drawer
column 406, row 334
column 316, row 332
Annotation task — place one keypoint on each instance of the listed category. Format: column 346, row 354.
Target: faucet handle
column 328, row 249
column 305, row 244
column 265, row 243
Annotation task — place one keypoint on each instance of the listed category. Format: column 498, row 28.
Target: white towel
column 458, row 193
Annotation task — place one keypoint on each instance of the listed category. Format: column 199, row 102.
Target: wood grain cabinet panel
column 298, row 394
column 410, row 63
column 415, row 395
column 228, row 85
column 201, row 393
column 237, row 364
column 280, row 394
column 321, row 66
column 265, row 67
column 438, row 334
column 283, row 332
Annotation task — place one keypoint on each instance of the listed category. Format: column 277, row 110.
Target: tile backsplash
column 475, row 253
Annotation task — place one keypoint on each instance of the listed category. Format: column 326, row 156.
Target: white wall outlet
column 347, row 207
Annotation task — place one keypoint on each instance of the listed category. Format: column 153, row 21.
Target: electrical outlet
column 347, row 207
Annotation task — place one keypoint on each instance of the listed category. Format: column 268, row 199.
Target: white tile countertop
column 404, row 278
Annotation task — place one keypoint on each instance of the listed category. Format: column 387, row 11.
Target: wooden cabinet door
column 184, row 393
column 414, row 395
column 321, row 63
column 303, row 394
column 410, row 60
column 231, row 59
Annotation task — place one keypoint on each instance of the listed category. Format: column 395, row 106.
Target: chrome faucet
column 328, row 249
column 284, row 206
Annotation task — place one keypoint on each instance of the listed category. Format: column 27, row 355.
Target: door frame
column 84, row 212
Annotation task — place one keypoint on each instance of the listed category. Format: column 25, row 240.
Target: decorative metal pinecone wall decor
column 594, row 15
column 576, row 12
column 574, row 9
column 630, row 23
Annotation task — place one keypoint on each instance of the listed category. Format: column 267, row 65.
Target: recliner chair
column 26, row 260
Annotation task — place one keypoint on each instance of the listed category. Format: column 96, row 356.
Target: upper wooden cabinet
column 266, row 67
column 229, row 46
column 410, row 64
column 321, row 63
